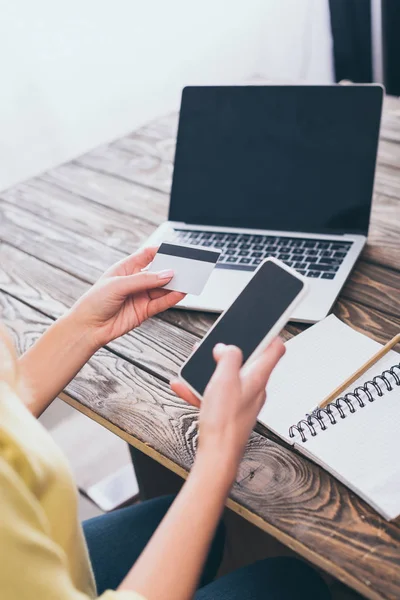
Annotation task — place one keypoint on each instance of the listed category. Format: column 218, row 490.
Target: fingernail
column 219, row 347
column 167, row 274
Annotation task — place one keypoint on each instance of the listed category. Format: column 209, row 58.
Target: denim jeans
column 116, row 540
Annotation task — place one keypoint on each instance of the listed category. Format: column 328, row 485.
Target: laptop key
column 245, row 261
column 329, row 261
column 340, row 246
column 313, row 274
column 243, row 253
column 319, row 267
column 258, row 247
column 326, row 253
column 302, row 271
column 338, row 254
column 232, row 245
column 232, row 259
column 299, row 265
column 284, row 256
column 327, row 275
column 310, row 244
column 256, row 261
column 256, row 254
column 244, row 246
column 311, row 252
column 230, row 252
column 323, row 245
column 297, row 251
column 219, row 245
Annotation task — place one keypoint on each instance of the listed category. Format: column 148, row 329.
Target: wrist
column 97, row 332
column 78, row 333
column 217, row 466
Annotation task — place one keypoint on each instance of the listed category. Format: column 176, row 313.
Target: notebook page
column 363, row 449
column 316, row 362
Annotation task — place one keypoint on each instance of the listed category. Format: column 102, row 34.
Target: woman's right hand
column 231, row 403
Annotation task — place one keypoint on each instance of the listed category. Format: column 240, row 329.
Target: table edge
column 291, row 542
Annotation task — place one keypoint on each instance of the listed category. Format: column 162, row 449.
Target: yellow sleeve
column 32, row 565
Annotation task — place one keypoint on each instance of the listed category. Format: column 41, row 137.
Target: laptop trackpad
column 220, row 291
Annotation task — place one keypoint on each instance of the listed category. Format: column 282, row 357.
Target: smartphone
column 252, row 321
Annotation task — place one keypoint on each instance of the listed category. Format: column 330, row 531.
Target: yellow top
column 43, row 554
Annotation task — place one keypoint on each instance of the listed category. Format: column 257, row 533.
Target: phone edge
column 273, row 332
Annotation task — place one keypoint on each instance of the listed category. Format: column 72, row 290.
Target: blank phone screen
column 246, row 323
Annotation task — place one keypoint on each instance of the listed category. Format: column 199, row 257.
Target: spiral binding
column 352, row 400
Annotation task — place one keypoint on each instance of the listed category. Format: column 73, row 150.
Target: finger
column 141, row 282
column 158, row 293
column 229, row 360
column 183, row 392
column 218, row 350
column 164, row 302
column 135, row 262
column 255, row 376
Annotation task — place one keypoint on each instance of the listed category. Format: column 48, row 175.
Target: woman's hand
column 229, row 409
column 231, row 403
column 121, row 300
column 124, row 297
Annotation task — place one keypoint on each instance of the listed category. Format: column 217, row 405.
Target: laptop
column 284, row 171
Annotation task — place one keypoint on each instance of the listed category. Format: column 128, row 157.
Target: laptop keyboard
column 310, row 257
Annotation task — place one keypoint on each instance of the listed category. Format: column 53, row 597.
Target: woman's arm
column 54, row 360
column 120, row 301
column 171, row 564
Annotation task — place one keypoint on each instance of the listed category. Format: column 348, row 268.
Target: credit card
column 192, row 266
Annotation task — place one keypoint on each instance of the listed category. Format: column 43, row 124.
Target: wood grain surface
column 307, row 509
column 60, row 231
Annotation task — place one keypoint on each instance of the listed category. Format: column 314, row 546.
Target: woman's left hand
column 124, row 297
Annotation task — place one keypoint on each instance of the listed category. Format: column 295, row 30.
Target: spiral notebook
column 357, row 437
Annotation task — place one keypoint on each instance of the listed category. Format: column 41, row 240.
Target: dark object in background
column 352, row 41
column 352, row 47
column 391, row 45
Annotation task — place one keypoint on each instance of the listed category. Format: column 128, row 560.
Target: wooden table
column 60, row 231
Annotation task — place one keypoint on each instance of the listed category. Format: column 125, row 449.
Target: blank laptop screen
column 291, row 158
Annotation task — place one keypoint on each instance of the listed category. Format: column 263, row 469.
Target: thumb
column 140, row 282
column 255, row 375
column 229, row 360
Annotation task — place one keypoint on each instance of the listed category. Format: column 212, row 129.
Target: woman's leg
column 116, row 540
column 270, row 579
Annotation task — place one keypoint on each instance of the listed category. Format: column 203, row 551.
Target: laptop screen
column 291, row 158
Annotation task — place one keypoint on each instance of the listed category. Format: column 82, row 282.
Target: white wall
column 296, row 41
column 77, row 73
